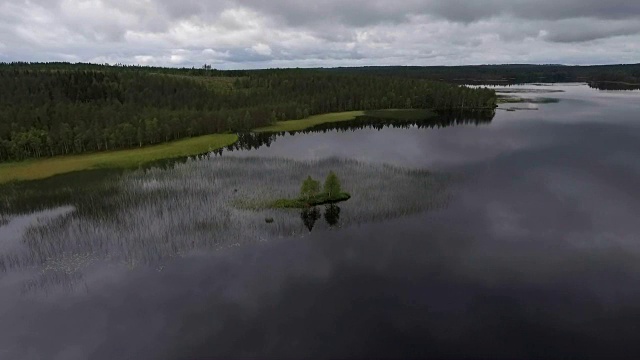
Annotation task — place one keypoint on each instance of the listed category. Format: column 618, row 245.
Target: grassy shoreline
column 296, row 125
column 389, row 114
column 37, row 169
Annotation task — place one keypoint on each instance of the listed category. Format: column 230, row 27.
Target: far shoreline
column 39, row 169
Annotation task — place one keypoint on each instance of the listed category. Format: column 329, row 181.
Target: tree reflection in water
column 309, row 217
column 332, row 214
column 253, row 141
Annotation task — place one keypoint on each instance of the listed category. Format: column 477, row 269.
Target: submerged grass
column 151, row 215
column 45, row 168
column 508, row 99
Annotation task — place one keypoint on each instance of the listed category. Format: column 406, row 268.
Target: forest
column 59, row 109
column 509, row 73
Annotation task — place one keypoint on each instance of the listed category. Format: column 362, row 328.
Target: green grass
column 300, row 203
column 44, row 168
column 297, row 125
column 505, row 99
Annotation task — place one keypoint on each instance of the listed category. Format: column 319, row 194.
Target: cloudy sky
column 231, row 34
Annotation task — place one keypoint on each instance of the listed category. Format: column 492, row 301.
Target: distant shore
column 38, row 169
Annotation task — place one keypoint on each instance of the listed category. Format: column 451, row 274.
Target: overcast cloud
column 233, row 34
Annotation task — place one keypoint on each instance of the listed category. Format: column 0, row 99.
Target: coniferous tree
column 332, row 185
column 310, row 188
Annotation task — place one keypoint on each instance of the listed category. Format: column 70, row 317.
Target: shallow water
column 531, row 250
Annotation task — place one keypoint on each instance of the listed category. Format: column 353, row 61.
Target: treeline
column 56, row 109
column 504, row 74
column 614, row 85
column 509, row 73
column 65, row 66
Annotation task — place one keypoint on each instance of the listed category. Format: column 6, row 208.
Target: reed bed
column 209, row 204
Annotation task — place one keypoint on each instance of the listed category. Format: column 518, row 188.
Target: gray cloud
column 368, row 12
column 460, row 10
column 258, row 33
column 580, row 30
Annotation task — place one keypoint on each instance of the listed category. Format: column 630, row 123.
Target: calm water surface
column 535, row 255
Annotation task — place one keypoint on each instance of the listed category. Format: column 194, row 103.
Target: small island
column 310, row 194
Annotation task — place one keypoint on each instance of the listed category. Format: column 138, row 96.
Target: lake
column 515, row 236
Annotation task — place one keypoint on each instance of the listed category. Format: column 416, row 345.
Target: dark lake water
column 511, row 238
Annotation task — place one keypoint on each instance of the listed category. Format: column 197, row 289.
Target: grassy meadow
column 44, row 168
